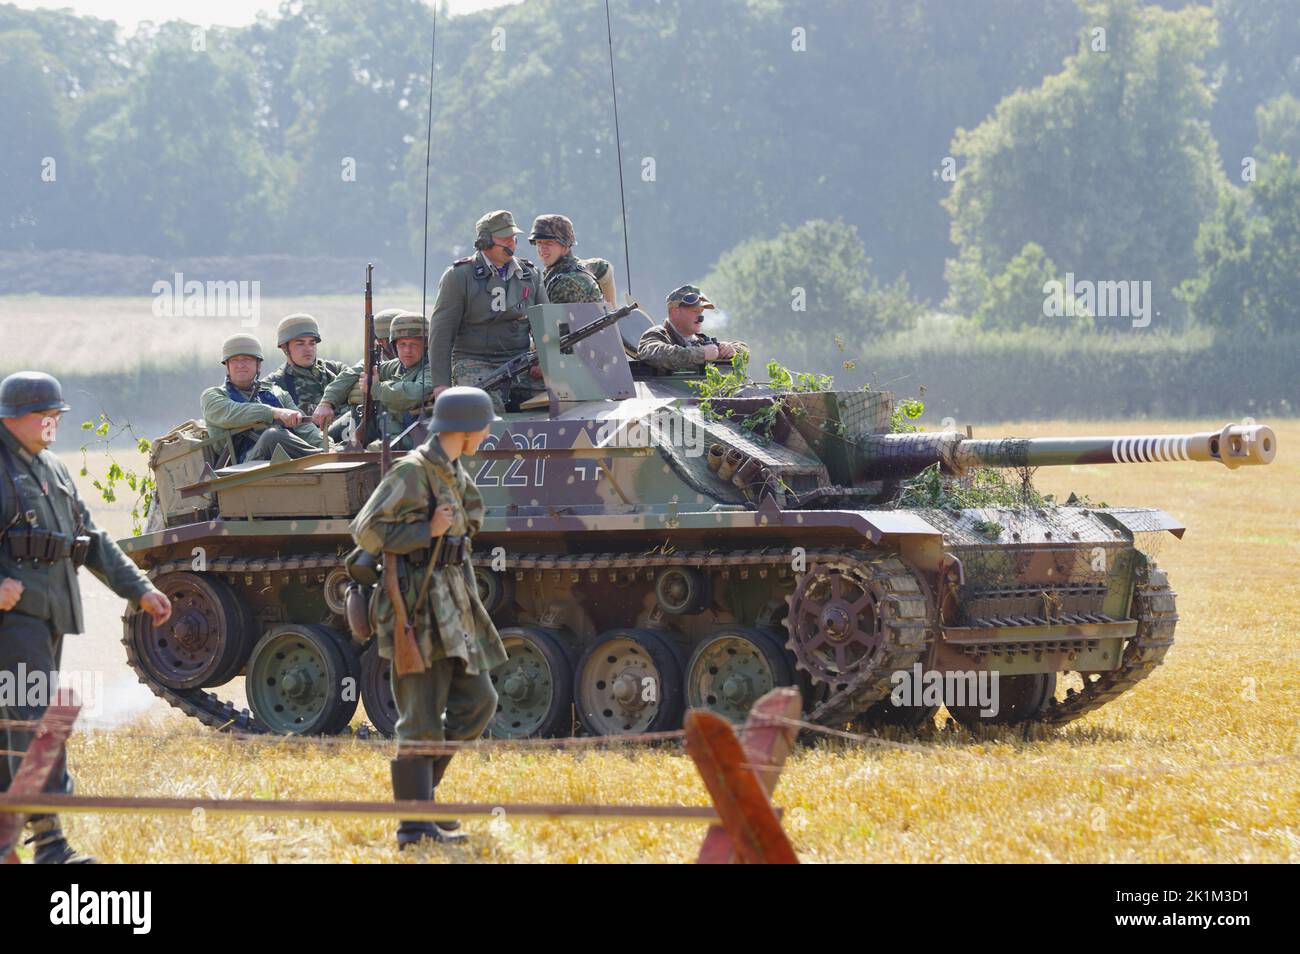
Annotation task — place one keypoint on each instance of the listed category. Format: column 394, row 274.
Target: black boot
column 413, row 781
column 440, row 764
column 51, row 847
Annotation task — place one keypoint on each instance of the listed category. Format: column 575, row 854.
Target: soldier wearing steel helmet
column 303, row 375
column 243, row 400
column 567, row 279
column 46, row 533
column 404, row 383
column 480, row 315
column 423, row 515
column 345, row 390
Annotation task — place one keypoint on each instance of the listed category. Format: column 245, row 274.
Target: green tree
column 1249, row 254
column 1014, row 298
column 34, row 144
column 1258, row 59
column 1278, row 121
column 178, row 166
column 1108, row 166
column 793, row 294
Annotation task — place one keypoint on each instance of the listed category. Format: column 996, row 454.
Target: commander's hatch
column 596, row 369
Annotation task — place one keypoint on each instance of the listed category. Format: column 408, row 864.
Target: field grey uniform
column 42, row 513
column 479, row 318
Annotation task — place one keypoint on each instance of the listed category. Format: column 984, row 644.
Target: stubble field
column 1200, row 763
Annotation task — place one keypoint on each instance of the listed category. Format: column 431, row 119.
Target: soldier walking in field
column 422, row 517
column 244, row 400
column 46, row 533
column 479, row 318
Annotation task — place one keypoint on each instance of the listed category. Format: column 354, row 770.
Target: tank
column 646, row 550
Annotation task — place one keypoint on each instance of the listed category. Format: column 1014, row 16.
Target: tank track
column 906, row 622
column 906, row 600
column 1154, row 607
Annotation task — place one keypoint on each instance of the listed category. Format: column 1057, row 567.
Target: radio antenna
column 428, row 152
column 618, row 144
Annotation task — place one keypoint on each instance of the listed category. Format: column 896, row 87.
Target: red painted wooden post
column 738, row 795
column 42, row 757
column 768, row 738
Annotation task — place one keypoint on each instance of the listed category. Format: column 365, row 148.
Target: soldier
column 245, row 400
column 46, row 532
column 479, row 320
column 303, row 375
column 567, row 279
column 678, row 344
column 345, row 389
column 404, row 383
column 422, row 515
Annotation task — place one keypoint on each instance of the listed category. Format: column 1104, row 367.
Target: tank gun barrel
column 901, row 455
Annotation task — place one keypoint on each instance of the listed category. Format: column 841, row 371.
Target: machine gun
column 517, row 366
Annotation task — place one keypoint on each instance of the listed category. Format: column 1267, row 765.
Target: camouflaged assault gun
column 645, row 551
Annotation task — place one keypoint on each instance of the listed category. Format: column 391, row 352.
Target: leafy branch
column 140, row 482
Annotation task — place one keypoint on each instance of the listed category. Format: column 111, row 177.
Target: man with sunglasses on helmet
column 679, row 343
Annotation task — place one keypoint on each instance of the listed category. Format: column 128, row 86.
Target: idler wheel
column 206, row 640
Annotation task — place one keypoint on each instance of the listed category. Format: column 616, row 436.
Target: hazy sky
column 203, row 12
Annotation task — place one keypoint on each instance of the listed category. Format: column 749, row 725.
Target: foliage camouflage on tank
column 646, row 550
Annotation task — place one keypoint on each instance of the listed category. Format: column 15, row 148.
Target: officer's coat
column 480, row 315
column 51, row 591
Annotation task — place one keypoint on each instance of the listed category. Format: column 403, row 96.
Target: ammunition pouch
column 46, row 546
column 362, row 567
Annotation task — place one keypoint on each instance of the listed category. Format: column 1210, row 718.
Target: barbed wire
column 647, row 740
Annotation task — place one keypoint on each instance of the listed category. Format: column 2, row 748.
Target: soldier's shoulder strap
column 526, row 265
column 462, row 261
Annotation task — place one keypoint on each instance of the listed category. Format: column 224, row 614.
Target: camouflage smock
column 306, row 385
column 452, row 621
column 663, row 347
column 569, row 281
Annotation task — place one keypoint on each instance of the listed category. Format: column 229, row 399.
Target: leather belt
column 455, row 551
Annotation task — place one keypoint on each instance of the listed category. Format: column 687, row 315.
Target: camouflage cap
column 408, row 324
column 384, row 321
column 26, row 391
column 241, row 344
column 298, row 325
column 498, row 224
column 690, row 296
column 461, row 409
column 557, row 228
